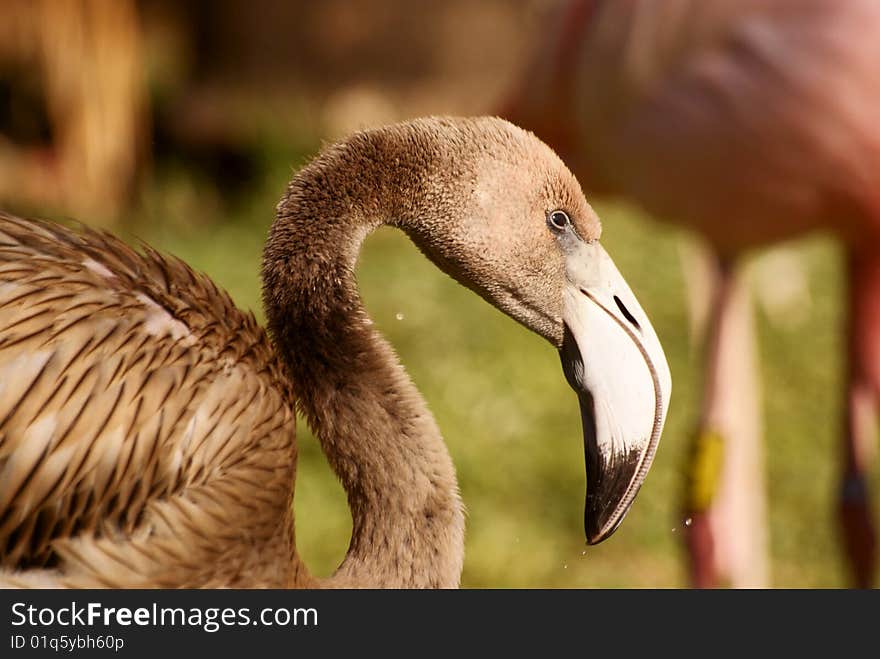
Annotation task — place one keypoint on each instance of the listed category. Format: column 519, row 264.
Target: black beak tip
column 610, row 493
column 598, row 530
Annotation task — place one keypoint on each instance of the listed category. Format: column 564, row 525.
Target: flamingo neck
column 373, row 425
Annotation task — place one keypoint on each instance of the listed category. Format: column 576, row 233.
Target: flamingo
column 147, row 425
column 750, row 122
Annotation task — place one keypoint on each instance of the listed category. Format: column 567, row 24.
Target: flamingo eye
column 558, row 220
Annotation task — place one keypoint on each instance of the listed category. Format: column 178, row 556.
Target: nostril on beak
column 626, row 313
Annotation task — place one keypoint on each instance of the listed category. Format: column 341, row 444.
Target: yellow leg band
column 705, row 470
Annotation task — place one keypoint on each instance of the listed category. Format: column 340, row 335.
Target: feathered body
column 748, row 120
column 138, row 403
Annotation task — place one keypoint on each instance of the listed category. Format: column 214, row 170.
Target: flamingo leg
column 726, row 537
column 855, row 515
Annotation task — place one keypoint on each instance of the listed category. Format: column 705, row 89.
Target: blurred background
column 181, row 122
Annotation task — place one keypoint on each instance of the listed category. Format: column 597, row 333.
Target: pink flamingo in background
column 749, row 121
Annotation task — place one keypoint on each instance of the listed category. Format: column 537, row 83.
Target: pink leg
column 854, row 507
column 726, row 539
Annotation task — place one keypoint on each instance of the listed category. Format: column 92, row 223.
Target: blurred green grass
column 510, row 420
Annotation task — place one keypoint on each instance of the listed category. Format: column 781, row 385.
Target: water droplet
column 688, row 521
column 584, row 552
column 565, row 566
column 516, row 540
column 399, row 316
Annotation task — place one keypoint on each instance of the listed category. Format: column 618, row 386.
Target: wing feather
column 146, row 428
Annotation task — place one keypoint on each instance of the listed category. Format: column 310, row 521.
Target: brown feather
column 114, row 440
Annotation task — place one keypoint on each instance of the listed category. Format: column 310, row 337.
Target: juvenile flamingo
column 147, row 426
column 749, row 121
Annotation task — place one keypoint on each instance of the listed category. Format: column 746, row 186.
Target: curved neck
column 373, row 426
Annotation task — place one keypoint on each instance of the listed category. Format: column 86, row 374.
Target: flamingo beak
column 613, row 360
